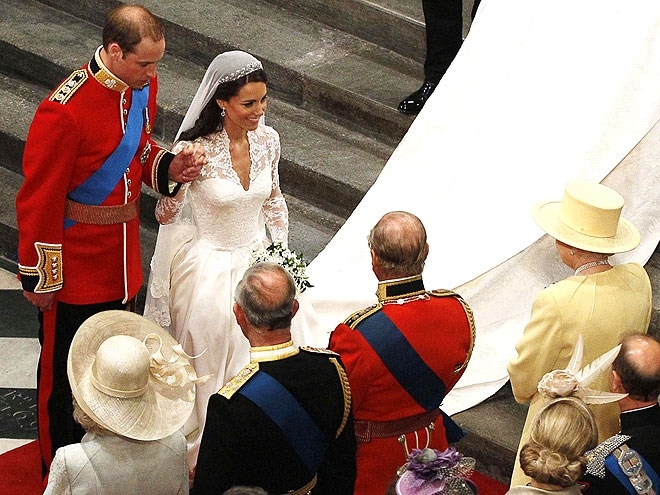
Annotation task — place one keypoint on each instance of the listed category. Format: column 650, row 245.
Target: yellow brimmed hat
column 588, row 218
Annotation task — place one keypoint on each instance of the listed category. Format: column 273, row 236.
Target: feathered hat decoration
column 574, row 382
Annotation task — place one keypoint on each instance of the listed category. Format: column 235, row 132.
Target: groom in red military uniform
column 402, row 355
column 88, row 151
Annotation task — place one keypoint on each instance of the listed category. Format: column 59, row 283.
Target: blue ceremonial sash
column 98, row 186
column 299, row 428
column 407, row 367
column 612, row 464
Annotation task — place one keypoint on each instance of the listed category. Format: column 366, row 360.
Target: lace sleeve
column 275, row 210
column 169, row 207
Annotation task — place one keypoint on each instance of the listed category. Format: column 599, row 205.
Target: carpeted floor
column 20, row 471
column 488, row 486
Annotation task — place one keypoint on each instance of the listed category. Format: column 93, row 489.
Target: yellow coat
column 603, row 307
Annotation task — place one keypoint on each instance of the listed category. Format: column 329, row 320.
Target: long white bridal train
column 541, row 93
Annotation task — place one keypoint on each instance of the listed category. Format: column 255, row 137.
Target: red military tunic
column 439, row 326
column 73, row 132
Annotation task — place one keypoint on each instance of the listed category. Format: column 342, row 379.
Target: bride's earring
column 223, row 113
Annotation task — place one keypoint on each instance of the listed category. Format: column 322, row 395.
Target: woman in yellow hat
column 601, row 301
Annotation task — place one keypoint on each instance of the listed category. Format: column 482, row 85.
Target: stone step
column 322, row 69
column 394, row 24
column 315, row 150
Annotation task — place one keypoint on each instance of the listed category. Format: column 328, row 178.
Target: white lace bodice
column 225, row 215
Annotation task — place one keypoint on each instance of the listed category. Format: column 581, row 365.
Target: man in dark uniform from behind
column 636, row 372
column 402, row 355
column 284, row 422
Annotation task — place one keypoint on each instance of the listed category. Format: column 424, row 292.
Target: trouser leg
column 444, row 35
column 56, row 426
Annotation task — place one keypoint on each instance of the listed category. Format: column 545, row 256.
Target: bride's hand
column 188, row 163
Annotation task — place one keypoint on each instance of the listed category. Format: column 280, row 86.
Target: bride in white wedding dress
column 212, row 227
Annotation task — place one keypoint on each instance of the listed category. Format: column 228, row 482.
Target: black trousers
column 444, row 35
column 56, row 426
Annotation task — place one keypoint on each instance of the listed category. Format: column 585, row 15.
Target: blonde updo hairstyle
column 562, row 432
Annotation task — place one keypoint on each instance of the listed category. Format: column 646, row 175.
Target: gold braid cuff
column 48, row 270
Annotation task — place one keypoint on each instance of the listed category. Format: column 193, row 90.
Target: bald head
column 637, row 368
column 398, row 243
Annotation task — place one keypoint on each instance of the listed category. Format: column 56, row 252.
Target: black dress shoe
column 412, row 104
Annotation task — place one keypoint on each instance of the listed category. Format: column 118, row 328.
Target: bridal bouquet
column 287, row 259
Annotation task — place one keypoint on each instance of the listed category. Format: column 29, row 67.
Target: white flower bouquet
column 287, row 259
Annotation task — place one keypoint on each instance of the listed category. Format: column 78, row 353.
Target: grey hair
column 265, row 302
column 399, row 242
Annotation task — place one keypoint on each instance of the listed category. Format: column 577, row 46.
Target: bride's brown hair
column 209, row 119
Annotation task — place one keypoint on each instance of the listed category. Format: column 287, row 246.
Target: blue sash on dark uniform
column 613, row 466
column 285, row 411
column 407, row 367
column 98, row 186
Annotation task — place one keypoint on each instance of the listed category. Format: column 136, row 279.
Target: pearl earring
column 572, row 252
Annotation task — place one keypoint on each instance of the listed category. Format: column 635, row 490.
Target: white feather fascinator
column 574, row 382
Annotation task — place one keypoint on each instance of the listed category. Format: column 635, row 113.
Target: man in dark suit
column 284, row 422
column 635, row 371
column 402, row 355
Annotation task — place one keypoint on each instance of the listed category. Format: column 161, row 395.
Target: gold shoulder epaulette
column 443, row 293
column 361, row 314
column 233, row 385
column 319, row 350
column 69, row 86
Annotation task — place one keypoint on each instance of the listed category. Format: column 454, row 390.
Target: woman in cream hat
column 133, row 389
column 601, row 301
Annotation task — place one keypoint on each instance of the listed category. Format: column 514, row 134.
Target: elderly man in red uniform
column 88, row 151
column 402, row 355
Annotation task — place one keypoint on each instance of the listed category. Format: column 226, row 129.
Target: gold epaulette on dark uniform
column 69, row 86
column 361, row 314
column 241, row 378
column 319, row 350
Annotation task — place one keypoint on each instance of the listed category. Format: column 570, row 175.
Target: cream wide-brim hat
column 160, row 409
column 588, row 218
